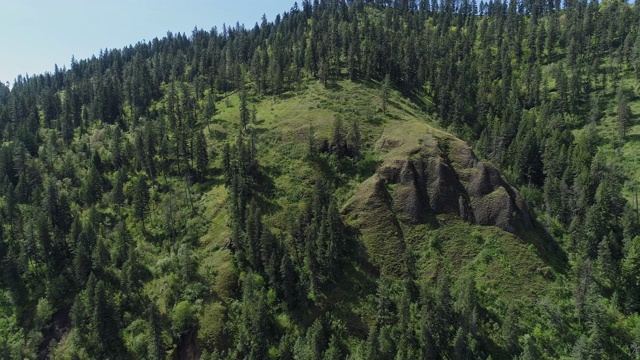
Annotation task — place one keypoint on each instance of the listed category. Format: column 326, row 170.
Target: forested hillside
column 355, row 179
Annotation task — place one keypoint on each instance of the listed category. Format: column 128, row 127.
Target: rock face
column 416, row 182
column 443, row 176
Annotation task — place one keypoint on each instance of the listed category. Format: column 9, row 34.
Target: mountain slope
column 295, row 190
column 392, row 223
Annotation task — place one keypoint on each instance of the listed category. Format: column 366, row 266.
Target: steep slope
column 264, row 193
column 425, row 195
column 425, row 173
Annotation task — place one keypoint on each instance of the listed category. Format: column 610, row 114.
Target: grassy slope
column 506, row 269
column 629, row 153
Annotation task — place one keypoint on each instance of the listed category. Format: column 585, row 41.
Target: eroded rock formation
column 440, row 175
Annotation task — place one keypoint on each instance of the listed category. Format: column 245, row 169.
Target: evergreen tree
column 155, row 345
column 105, row 328
column 201, row 155
column 82, row 255
column 623, row 114
column 385, row 92
column 93, row 186
column 140, row 197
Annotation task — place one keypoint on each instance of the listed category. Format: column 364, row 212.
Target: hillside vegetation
column 361, row 180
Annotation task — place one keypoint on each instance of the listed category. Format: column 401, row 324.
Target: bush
column 182, row 318
column 211, row 331
column 44, row 311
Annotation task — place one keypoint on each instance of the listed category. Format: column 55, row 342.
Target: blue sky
column 36, row 34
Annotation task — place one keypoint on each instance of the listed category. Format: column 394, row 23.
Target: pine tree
column 244, row 110
column 93, row 186
column 82, row 255
column 385, row 92
column 334, row 351
column 289, row 281
column 52, row 107
column 12, row 278
column 50, row 198
column 605, row 266
column 338, row 145
column 117, row 193
column 202, row 156
column 155, row 345
column 122, row 244
column 630, row 267
column 635, row 55
column 529, row 348
column 140, row 197
column 78, row 315
column 510, row 331
column 100, row 257
column 210, row 109
column 623, row 115
column 105, row 328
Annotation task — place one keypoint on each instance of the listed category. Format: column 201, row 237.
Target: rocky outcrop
column 436, row 174
column 443, row 176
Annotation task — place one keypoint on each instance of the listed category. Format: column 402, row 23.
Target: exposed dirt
column 187, row 348
column 59, row 328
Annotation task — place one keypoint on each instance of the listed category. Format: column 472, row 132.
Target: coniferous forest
column 364, row 179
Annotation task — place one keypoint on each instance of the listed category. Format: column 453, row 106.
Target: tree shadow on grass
column 547, row 248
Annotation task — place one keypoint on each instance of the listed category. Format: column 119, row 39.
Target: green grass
column 283, row 128
column 507, row 268
column 499, row 261
column 628, row 154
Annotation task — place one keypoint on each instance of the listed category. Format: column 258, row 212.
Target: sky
column 37, row 34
